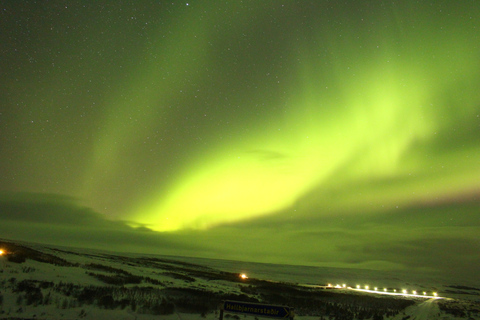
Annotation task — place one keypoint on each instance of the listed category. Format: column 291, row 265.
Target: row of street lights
column 385, row 290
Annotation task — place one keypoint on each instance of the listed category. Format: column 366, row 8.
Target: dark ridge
column 463, row 288
column 19, row 253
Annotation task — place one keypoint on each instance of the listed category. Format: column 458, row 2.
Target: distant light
column 404, row 291
column 243, row 276
column 424, row 293
column 376, row 288
column 394, row 290
column 366, row 287
column 414, row 292
column 344, row 285
column 435, row 294
column 385, row 289
column 358, row 286
column 329, row 285
column 1, row 252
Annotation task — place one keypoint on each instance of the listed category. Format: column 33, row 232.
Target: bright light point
column 424, row 293
column 344, row 285
column 404, row 291
column 414, row 292
column 358, row 287
column 329, row 285
column 375, row 288
column 1, row 252
column 243, row 276
column 435, row 294
column 394, row 290
column 366, row 287
column 385, row 289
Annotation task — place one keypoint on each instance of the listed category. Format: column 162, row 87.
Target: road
column 376, row 291
column 397, row 293
column 426, row 310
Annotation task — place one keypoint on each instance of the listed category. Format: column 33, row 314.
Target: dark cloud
column 397, row 240
column 457, row 256
column 437, row 238
column 61, row 220
column 53, row 209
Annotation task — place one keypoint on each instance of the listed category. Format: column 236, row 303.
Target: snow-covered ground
column 67, row 284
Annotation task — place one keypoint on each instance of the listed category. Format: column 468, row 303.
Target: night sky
column 328, row 133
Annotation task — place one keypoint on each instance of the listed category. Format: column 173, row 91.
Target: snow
column 163, row 269
column 422, row 311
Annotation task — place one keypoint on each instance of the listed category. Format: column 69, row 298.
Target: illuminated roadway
column 395, row 293
column 423, row 311
column 384, row 291
column 403, row 293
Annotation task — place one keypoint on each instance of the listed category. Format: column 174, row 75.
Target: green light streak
column 153, row 87
column 359, row 113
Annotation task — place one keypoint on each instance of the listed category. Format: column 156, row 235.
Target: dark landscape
column 37, row 279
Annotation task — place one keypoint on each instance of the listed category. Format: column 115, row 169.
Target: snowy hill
column 45, row 282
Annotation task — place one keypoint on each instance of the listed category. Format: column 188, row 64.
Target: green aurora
column 260, row 125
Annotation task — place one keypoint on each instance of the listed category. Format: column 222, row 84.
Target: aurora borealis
column 318, row 132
